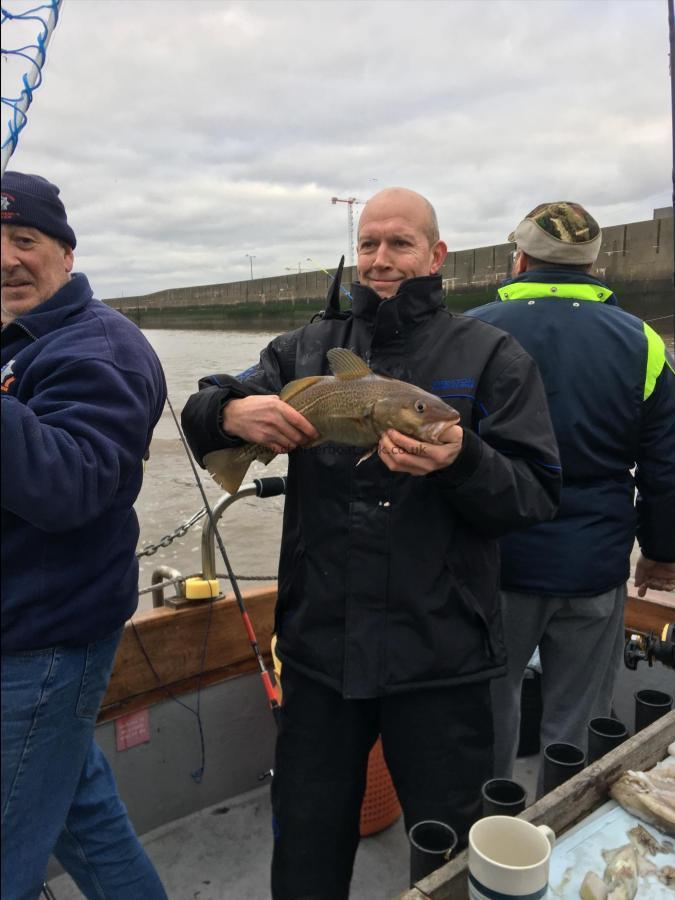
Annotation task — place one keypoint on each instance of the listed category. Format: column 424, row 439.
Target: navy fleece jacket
column 81, row 393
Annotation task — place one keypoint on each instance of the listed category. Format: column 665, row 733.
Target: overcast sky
column 185, row 134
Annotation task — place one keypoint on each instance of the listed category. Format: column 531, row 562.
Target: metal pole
column 264, row 674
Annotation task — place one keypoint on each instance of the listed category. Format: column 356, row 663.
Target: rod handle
column 271, row 486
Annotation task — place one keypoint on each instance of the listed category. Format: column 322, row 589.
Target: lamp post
column 250, row 259
column 292, row 268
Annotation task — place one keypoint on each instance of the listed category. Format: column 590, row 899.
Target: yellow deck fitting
column 201, row 589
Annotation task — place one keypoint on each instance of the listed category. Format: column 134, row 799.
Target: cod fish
column 352, row 406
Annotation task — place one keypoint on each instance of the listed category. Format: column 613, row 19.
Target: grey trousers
column 580, row 642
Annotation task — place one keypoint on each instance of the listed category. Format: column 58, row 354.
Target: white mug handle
column 548, row 833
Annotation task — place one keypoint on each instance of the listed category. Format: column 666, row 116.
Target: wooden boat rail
column 163, row 652
column 649, row 613
column 173, row 640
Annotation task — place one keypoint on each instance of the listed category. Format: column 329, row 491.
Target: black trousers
column 438, row 747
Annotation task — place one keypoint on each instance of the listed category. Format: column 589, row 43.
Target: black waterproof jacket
column 389, row 582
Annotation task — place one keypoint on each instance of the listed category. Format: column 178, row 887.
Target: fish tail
column 228, row 467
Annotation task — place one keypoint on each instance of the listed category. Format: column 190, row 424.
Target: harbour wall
column 635, row 260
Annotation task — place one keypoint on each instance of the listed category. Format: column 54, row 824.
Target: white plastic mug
column 509, row 857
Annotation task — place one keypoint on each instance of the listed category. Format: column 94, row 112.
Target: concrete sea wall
column 636, row 261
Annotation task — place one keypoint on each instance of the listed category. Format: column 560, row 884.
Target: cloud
column 186, row 135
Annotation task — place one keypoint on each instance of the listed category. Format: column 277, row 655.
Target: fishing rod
column 326, row 272
column 248, row 625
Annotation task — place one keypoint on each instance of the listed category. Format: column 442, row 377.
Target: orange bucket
column 380, row 807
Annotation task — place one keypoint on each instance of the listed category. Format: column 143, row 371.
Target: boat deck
column 223, row 851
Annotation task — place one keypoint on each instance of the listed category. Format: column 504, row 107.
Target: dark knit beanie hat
column 33, row 201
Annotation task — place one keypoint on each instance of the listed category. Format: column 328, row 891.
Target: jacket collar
column 556, row 282
column 416, row 300
column 48, row 316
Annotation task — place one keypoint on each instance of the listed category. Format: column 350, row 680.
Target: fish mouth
column 434, row 431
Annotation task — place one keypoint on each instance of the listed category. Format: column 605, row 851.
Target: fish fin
column 346, row 365
column 366, row 455
column 295, row 387
column 228, row 467
column 264, row 454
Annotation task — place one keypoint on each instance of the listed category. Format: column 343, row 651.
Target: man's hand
column 659, row 576
column 265, row 419
column 401, row 453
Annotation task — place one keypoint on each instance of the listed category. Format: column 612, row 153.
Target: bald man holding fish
column 416, row 439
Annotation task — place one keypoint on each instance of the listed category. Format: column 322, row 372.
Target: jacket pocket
column 477, row 614
column 476, row 568
column 291, row 580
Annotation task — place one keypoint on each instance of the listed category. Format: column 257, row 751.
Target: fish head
column 414, row 412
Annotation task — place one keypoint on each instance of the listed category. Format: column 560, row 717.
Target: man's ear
column 68, row 257
column 438, row 255
column 519, row 263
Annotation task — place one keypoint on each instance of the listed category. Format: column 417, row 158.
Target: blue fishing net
column 26, row 30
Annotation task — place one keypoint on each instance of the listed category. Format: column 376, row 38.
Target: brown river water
column 251, row 528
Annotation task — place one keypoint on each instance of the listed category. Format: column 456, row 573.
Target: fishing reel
column 651, row 647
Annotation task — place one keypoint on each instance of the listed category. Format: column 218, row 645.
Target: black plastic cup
column 503, row 797
column 431, row 845
column 604, row 734
column 561, row 761
column 650, row 705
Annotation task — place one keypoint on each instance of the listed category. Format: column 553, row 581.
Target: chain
column 181, row 531
column 151, row 549
column 182, row 578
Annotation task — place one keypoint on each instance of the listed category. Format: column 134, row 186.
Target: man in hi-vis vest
column 611, row 392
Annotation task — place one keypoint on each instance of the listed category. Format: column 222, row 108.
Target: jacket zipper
column 21, row 326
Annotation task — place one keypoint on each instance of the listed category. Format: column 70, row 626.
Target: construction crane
column 350, row 201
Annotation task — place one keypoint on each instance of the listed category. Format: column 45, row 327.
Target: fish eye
column 420, row 406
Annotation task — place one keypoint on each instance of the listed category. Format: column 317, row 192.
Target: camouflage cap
column 560, row 232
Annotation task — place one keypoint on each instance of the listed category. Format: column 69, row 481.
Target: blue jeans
column 58, row 793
